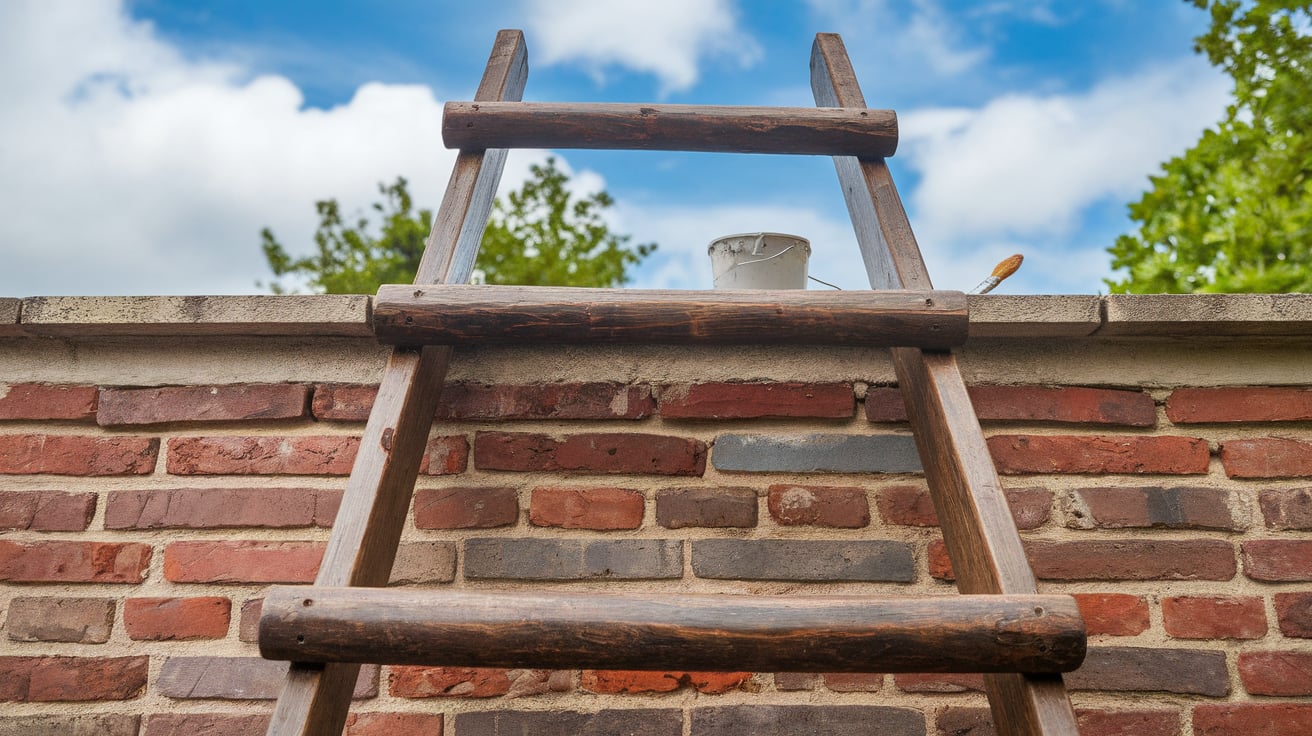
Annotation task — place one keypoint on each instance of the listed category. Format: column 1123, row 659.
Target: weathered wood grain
column 794, row 130
column 316, row 697
column 674, row 632
column 415, row 315
column 978, row 529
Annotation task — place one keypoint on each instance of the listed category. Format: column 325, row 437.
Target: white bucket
column 759, row 261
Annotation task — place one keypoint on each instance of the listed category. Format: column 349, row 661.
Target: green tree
column 1234, row 213
column 539, row 235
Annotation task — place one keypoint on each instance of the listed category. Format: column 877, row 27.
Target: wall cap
column 346, row 315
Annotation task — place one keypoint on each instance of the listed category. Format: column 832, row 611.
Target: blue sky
column 145, row 143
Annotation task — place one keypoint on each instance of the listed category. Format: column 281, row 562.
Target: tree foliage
column 539, row 235
column 1234, row 213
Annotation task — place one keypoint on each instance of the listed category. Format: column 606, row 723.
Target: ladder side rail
column 659, row 127
column 362, row 547
column 978, row 529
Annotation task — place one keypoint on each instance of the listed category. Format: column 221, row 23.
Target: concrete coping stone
column 10, row 308
column 347, row 315
column 218, row 316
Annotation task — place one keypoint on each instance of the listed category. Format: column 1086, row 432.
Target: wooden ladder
column 1000, row 626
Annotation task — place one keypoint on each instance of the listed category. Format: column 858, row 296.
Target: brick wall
column 141, row 523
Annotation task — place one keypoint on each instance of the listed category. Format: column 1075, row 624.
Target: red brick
column 460, row 401
column 854, row 682
column 757, row 400
column 1287, row 509
column 393, row 724
column 218, row 508
column 1219, row 617
column 46, row 401
column 76, row 620
column 612, row 452
column 1015, row 454
column 632, row 681
column 586, row 508
column 249, row 402
column 912, row 506
column 176, row 619
column 715, row 683
column 1278, row 560
column 445, row 456
column 262, row 455
column 242, row 562
column 1121, row 559
column 74, row 562
column 843, row 507
column 46, row 511
column 1294, row 612
column 466, row 507
column 1270, row 457
column 947, row 682
column 629, row 681
column 57, row 454
column 1066, row 404
column 448, row 682
column 205, row 724
column 718, row 507
column 1128, row 722
column 1282, row 674
column 1153, row 507
column 1239, row 404
column 64, row 679
column 545, row 401
column 1252, row 719
column 1113, row 614
column 1133, row 559
column 343, row 402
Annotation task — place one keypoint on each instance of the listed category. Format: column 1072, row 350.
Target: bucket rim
column 763, row 234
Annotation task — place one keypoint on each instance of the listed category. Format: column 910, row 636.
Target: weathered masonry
column 163, row 461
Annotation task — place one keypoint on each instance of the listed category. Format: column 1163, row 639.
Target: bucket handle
column 718, row 276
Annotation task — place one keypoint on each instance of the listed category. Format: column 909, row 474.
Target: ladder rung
column 982, row 633
column 833, row 131
column 450, row 314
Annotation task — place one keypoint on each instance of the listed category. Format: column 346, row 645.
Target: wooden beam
column 673, row 632
column 978, row 529
column 415, row 315
column 315, row 697
column 796, row 130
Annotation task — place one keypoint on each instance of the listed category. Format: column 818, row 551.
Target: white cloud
column 667, row 38
column 913, row 38
column 129, row 169
column 1029, row 165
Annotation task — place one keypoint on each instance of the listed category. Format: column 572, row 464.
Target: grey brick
column 803, row 559
column 789, row 720
column 816, row 453
column 651, row 722
column 573, row 559
column 84, row 620
column 86, row 725
column 238, row 678
column 1141, row 669
column 706, row 507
